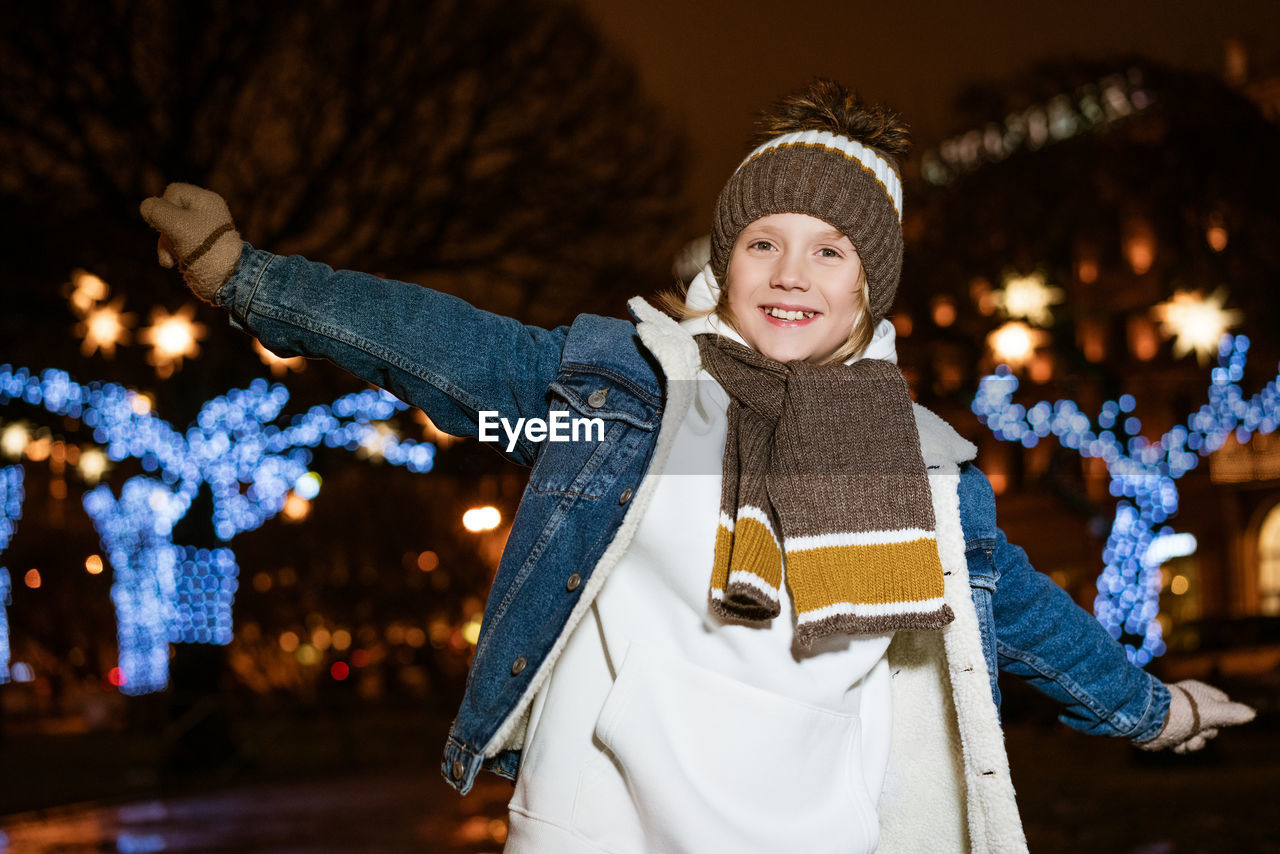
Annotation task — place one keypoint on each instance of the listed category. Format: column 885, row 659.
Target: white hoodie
column 665, row 728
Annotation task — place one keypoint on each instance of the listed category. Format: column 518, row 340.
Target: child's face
column 791, row 262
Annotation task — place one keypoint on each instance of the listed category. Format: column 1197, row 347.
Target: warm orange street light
column 479, row 519
column 92, row 465
column 296, row 508
column 1015, row 343
column 14, row 439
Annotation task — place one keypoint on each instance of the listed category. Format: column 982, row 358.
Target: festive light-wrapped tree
column 165, row 592
column 1143, row 476
column 10, row 513
column 426, row 159
column 1088, row 241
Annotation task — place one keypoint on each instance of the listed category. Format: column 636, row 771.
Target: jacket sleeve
column 1043, row 636
column 431, row 350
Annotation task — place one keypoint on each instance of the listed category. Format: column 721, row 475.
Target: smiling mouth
column 787, row 317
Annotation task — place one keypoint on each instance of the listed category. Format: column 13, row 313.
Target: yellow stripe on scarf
column 873, row 574
column 749, row 548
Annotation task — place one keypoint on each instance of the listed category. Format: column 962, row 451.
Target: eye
column 760, row 244
column 828, row 252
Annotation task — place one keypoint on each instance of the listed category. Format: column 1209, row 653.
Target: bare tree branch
column 462, row 142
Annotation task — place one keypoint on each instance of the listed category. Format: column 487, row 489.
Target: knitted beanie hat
column 824, row 152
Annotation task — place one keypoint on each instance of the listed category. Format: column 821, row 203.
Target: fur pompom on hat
column 825, row 152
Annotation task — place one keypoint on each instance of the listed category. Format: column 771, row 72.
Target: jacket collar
column 673, row 347
column 940, row 444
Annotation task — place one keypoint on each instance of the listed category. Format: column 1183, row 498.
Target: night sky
column 715, row 63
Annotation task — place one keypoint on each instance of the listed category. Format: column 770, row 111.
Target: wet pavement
column 1077, row 794
column 391, row 812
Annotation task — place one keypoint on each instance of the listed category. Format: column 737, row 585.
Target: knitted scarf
column 829, row 456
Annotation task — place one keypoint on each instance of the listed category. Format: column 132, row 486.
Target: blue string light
column 164, row 592
column 204, row 589
column 1143, row 475
column 11, row 496
column 135, row 531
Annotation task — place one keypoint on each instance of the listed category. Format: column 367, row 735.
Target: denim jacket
column 453, row 361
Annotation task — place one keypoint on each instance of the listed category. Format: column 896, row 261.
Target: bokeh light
column 173, row 337
column 479, row 519
column 1143, row 475
column 1196, row 322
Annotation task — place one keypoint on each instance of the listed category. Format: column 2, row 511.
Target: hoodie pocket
column 713, row 764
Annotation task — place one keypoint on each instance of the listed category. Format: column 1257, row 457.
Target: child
column 765, row 610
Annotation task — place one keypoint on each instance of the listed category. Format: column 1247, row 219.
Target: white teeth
column 783, row 314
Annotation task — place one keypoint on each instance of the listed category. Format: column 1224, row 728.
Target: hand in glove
column 1196, row 711
column 196, row 232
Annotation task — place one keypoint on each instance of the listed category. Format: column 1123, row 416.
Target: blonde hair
column 672, row 301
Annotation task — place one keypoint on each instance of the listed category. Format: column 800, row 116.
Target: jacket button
column 457, row 769
column 573, row 582
column 596, row 399
column 625, row 496
column 518, row 665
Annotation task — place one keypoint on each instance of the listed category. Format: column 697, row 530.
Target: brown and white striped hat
column 814, row 168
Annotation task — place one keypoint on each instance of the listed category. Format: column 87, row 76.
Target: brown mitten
column 196, row 233
column 1196, row 711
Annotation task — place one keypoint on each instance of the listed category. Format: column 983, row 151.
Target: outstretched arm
column 1044, row 637
column 1037, row 632
column 429, row 349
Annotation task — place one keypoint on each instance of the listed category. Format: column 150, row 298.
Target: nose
column 789, row 273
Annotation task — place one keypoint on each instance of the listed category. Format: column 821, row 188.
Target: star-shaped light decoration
column 103, row 327
column 172, row 337
column 1028, row 297
column 1196, row 322
column 1015, row 343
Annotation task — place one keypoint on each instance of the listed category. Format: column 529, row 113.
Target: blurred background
column 240, row 593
